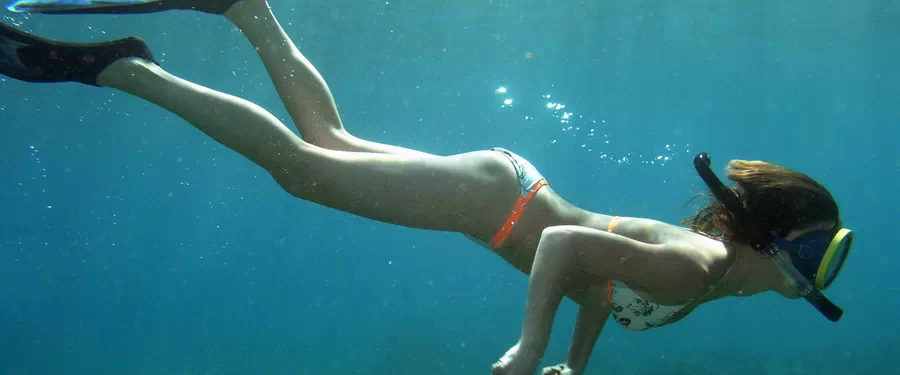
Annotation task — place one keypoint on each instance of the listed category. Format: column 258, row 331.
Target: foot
column 516, row 361
column 27, row 57
column 560, row 369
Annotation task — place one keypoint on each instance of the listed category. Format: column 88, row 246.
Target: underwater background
column 130, row 243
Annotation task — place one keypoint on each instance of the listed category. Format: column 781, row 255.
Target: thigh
column 469, row 193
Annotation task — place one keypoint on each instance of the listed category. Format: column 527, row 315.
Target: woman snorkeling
column 776, row 230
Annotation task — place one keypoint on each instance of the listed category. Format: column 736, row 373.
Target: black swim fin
column 30, row 58
column 118, row 6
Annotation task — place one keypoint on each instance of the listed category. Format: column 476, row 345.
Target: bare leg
column 457, row 193
column 302, row 89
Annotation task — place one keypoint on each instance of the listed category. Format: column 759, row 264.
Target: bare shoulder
column 662, row 233
column 707, row 253
column 711, row 257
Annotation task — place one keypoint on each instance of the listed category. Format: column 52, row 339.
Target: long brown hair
column 782, row 198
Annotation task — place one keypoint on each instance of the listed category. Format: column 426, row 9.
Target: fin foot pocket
column 30, row 58
column 118, row 6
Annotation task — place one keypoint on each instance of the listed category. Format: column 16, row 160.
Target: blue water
column 132, row 244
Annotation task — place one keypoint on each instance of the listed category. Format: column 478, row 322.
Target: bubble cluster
column 593, row 136
column 36, row 185
column 37, row 160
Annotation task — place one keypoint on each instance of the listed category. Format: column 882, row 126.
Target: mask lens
column 834, row 258
column 818, row 255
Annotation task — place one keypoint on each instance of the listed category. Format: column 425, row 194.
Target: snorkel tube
column 761, row 240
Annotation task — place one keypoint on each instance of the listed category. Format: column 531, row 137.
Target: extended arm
column 569, row 254
column 588, row 325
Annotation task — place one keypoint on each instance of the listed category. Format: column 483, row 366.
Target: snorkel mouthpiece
column 762, row 241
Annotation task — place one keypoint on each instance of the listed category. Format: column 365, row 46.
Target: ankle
column 126, row 70
column 247, row 11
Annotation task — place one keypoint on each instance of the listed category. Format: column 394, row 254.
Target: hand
column 560, row 369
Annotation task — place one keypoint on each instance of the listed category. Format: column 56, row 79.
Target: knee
column 307, row 184
column 555, row 244
column 557, row 237
column 287, row 183
column 292, row 183
column 332, row 138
